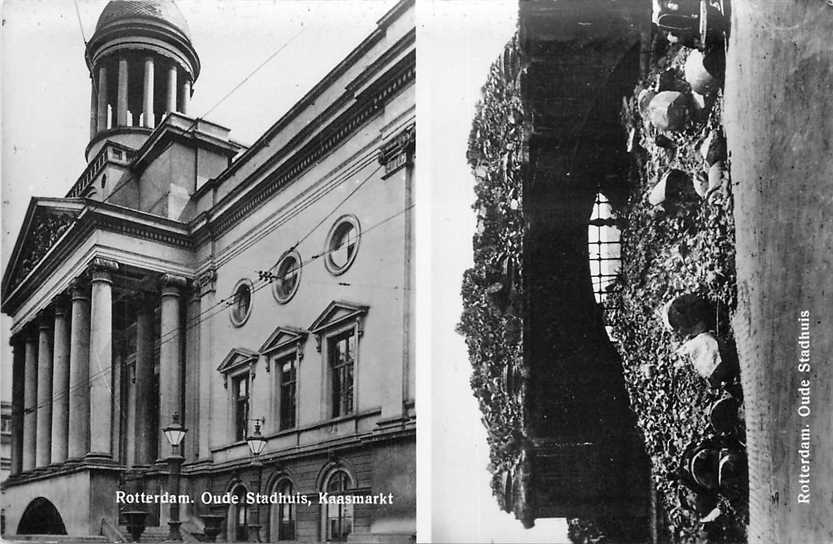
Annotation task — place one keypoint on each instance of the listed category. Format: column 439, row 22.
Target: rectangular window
column 288, row 379
column 342, row 355
column 240, row 389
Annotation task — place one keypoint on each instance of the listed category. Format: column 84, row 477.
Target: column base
column 173, row 530
column 100, row 458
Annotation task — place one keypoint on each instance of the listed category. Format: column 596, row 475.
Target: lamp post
column 174, row 432
column 256, row 442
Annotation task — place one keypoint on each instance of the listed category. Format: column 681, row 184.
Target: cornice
column 96, row 216
column 367, row 106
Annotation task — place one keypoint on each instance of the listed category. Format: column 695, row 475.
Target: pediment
column 336, row 313
column 46, row 222
column 283, row 337
column 237, row 358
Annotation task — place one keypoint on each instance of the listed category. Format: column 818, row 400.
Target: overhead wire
column 225, row 97
column 221, row 305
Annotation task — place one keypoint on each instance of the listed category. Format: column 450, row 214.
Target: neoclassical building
column 187, row 280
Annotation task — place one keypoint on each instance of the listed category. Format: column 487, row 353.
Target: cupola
column 143, row 66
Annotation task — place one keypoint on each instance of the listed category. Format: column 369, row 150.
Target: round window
column 288, row 277
column 241, row 305
column 343, row 244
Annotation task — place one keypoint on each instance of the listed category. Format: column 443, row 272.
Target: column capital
column 45, row 318
column 100, row 269
column 61, row 303
column 398, row 151
column 79, row 289
column 206, row 282
column 171, row 284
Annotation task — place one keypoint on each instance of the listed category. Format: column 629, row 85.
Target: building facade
column 188, row 280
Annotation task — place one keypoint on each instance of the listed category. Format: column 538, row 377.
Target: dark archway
column 41, row 518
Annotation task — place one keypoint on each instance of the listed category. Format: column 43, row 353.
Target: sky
column 46, row 86
column 457, row 41
column 45, row 126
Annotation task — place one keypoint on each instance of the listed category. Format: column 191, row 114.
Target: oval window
column 241, row 305
column 288, row 277
column 343, row 244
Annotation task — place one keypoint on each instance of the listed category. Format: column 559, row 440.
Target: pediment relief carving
column 43, row 230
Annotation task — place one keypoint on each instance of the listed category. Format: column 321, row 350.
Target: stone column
column 171, row 104
column 144, row 432
column 19, row 360
column 30, row 400
column 101, row 358
column 102, row 98
column 79, row 369
column 186, row 96
column 93, row 109
column 148, row 93
column 170, row 350
column 207, row 290
column 60, row 383
column 44, row 396
column 121, row 97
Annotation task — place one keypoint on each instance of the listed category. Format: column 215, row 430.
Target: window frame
column 286, row 298
column 236, row 320
column 338, row 318
column 332, row 267
column 280, row 360
column 238, row 363
column 236, row 380
column 340, row 406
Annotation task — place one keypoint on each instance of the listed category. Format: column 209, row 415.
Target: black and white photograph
column 208, row 253
column 631, row 323
column 227, row 289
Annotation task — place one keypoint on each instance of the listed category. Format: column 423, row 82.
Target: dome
column 158, row 10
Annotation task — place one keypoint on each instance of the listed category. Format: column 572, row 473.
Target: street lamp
column 256, row 442
column 174, row 432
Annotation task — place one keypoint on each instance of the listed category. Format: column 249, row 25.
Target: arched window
column 338, row 518
column 238, row 517
column 605, row 249
column 282, row 519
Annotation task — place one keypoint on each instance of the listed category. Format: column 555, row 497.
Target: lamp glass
column 174, row 434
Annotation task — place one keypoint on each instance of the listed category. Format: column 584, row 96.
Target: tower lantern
column 142, row 65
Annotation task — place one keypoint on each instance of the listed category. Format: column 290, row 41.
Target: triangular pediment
column 283, row 337
column 237, row 358
column 46, row 222
column 335, row 313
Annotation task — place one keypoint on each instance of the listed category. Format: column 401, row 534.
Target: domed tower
column 143, row 66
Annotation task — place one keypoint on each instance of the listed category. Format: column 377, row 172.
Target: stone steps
column 55, row 539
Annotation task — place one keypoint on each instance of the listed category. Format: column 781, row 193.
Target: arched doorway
column 237, row 523
column 41, row 518
column 282, row 514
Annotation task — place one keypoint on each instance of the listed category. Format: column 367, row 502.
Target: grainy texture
column 779, row 120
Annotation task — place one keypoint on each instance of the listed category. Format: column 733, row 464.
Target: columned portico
column 44, row 395
column 143, row 428
column 148, row 120
column 170, row 349
column 172, row 89
column 102, row 98
column 30, row 400
column 79, row 369
column 19, row 360
column 60, row 382
column 121, row 96
column 101, row 358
